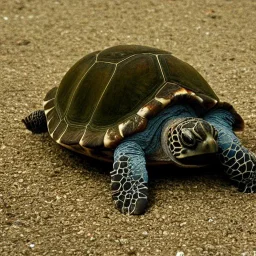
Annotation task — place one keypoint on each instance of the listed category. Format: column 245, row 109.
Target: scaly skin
column 238, row 162
column 36, row 122
column 129, row 179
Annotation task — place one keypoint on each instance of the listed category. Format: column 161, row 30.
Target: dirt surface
column 55, row 202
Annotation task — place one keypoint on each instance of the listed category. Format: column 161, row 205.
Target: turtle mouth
column 199, row 160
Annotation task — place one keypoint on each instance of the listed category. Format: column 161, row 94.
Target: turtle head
column 192, row 141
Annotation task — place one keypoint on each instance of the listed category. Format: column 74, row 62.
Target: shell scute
column 180, row 72
column 60, row 129
column 72, row 135
column 134, row 124
column 89, row 92
column 53, row 121
column 168, row 90
column 71, row 81
column 112, row 137
column 150, row 109
column 132, row 85
column 92, row 138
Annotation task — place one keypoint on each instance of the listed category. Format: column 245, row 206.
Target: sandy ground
column 55, row 202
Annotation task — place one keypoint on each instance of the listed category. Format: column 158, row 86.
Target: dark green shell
column 111, row 94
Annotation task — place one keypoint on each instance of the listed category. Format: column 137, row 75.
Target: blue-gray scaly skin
column 238, row 162
column 129, row 176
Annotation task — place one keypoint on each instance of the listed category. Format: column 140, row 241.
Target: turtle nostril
column 210, row 145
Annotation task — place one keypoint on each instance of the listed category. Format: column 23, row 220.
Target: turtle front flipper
column 238, row 161
column 129, row 179
column 36, row 122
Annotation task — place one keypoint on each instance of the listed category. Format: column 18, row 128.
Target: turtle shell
column 111, row 94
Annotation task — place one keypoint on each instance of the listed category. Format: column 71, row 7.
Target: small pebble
column 131, row 251
column 81, row 232
column 183, row 224
column 44, row 214
column 145, row 233
column 23, row 42
column 165, row 233
column 123, row 241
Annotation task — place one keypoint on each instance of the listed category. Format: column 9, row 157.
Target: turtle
column 134, row 105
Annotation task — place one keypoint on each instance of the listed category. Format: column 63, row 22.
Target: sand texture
column 56, row 202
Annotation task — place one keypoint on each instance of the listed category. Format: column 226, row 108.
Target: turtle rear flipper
column 36, row 122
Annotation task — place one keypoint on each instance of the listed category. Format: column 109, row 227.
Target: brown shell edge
column 134, row 124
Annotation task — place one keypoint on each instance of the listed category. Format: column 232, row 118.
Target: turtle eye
column 187, row 138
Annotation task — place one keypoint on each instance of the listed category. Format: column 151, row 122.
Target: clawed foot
column 129, row 191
